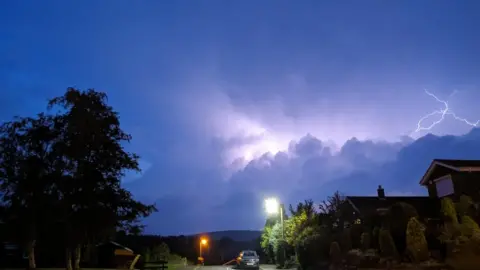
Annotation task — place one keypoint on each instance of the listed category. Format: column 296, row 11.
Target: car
column 248, row 259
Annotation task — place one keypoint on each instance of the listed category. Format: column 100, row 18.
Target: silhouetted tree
column 335, row 209
column 307, row 207
column 26, row 176
column 92, row 202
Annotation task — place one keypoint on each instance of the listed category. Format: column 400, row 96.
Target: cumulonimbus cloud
column 247, row 130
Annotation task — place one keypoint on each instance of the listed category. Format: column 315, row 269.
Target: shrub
column 397, row 219
column 448, row 210
column 456, row 234
column 312, row 247
column 147, row 255
column 466, row 255
column 346, row 240
column 365, row 240
column 356, row 236
column 335, row 253
column 280, row 253
column 266, row 245
column 470, row 227
column 303, row 257
column 387, row 246
column 462, row 239
column 160, row 252
column 290, row 262
column 370, row 259
column 175, row 258
column 354, row 257
column 417, row 246
column 275, row 242
column 375, row 238
column 464, row 205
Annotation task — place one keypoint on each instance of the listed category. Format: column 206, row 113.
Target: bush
column 346, row 240
column 309, row 250
column 354, row 257
column 464, row 205
column 458, row 237
column 365, row 241
column 397, row 219
column 304, row 252
column 448, row 210
column 276, row 243
column 175, row 258
column 375, row 238
column 280, row 253
column 417, row 246
column 470, row 227
column 387, row 246
column 356, row 236
column 290, row 262
column 335, row 253
column 466, row 256
column 370, row 259
column 313, row 246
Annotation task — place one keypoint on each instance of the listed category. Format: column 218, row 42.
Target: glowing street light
column 272, row 206
column 203, row 242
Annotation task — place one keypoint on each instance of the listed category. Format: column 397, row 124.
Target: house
column 368, row 206
column 443, row 178
column 453, row 178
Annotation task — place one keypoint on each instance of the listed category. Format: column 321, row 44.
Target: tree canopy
column 70, row 160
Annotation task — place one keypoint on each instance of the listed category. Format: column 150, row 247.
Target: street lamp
column 203, row 242
column 272, row 206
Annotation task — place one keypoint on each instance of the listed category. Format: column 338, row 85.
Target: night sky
column 229, row 102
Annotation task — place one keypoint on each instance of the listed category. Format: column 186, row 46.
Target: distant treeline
column 216, row 251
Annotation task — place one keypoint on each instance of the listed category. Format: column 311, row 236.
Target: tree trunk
column 31, row 254
column 78, row 256
column 68, row 259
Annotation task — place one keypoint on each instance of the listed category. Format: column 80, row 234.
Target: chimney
column 381, row 192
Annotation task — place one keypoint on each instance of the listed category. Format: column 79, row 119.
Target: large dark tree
column 93, row 204
column 26, row 177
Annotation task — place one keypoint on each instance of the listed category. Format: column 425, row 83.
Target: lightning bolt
column 446, row 111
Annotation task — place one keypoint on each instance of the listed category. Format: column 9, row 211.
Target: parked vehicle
column 248, row 259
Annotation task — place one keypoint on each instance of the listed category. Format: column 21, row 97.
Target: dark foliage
column 60, row 174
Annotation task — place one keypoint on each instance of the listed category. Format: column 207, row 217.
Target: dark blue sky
column 207, row 86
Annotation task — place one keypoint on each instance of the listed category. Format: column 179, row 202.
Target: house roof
column 454, row 165
column 425, row 206
column 460, row 162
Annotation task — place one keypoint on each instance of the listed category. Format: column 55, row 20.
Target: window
column 444, row 186
column 249, row 254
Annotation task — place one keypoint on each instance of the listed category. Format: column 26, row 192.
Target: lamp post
column 272, row 206
column 203, row 242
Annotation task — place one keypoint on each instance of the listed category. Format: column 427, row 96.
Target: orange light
column 203, row 241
